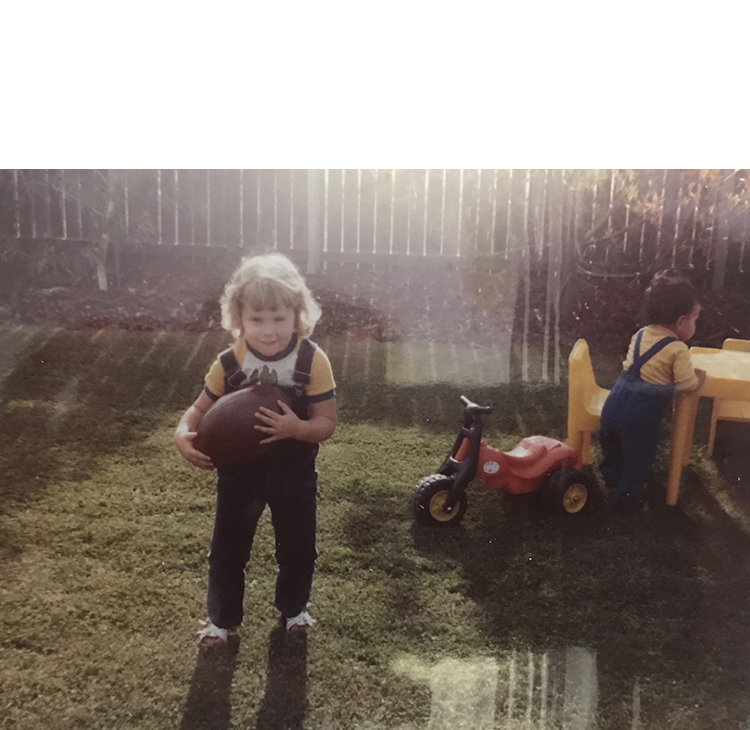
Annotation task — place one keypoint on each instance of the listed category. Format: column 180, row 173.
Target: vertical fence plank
column 282, row 221
column 555, row 263
column 16, row 207
column 299, row 209
column 509, row 202
column 526, row 268
column 451, row 211
column 724, row 191
column 367, row 211
column 401, row 186
column 160, row 237
column 315, row 213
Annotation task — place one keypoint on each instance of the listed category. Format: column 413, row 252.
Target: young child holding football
column 270, row 311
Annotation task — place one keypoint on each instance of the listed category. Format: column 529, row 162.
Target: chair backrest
column 737, row 345
column 581, row 381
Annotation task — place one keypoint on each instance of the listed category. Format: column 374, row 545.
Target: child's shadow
column 208, row 706
column 285, row 701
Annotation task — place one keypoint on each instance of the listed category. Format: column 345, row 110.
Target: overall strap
column 234, row 377
column 640, row 360
column 303, row 366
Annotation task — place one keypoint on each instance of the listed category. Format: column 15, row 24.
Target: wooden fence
column 602, row 222
column 544, row 230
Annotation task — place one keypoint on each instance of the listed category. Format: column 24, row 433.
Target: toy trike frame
column 538, row 463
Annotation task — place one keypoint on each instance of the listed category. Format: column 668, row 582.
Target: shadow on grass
column 71, row 397
column 284, row 704
column 662, row 598
column 208, row 704
column 517, row 407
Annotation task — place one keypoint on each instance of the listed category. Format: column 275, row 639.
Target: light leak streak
column 511, row 690
column 530, row 689
column 544, row 676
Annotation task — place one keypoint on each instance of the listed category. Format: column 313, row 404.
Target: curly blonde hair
column 268, row 281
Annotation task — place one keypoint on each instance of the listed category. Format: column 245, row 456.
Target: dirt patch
column 385, row 303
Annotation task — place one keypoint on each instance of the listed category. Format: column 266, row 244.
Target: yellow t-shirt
column 276, row 370
column 671, row 364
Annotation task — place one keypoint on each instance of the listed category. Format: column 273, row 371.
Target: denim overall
column 630, row 422
column 286, row 480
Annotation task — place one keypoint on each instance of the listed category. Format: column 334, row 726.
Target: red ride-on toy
column 538, row 463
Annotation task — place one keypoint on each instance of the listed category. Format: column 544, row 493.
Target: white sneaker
column 302, row 619
column 210, row 631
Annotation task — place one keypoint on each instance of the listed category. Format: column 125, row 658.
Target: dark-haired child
column 657, row 365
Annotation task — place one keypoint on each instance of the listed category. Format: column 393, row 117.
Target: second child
column 657, row 365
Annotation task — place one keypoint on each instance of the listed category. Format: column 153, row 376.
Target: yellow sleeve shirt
column 276, row 370
column 671, row 364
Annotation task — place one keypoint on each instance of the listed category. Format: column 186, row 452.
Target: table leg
column 683, row 423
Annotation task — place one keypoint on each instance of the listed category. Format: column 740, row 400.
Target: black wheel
column 428, row 498
column 568, row 490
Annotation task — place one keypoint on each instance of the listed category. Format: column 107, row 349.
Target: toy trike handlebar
column 472, row 410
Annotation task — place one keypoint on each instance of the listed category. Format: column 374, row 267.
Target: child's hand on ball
column 184, row 442
column 278, row 426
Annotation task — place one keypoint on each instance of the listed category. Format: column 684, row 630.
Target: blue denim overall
column 630, row 422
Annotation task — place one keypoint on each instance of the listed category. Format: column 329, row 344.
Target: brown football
column 227, row 431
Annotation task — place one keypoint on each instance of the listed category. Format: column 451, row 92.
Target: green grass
column 104, row 532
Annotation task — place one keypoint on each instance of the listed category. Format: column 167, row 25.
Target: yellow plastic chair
column 585, row 400
column 729, row 410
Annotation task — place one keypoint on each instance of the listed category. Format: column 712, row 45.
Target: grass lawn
column 514, row 619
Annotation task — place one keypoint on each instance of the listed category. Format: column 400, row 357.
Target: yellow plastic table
column 727, row 376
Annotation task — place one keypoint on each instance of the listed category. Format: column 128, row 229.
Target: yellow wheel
column 568, row 490
column 428, row 500
column 575, row 498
